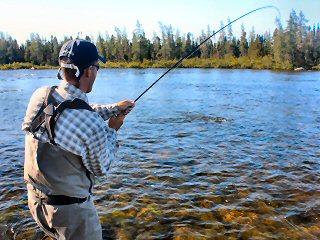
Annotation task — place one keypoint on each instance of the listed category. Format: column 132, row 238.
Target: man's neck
column 77, row 84
column 73, row 82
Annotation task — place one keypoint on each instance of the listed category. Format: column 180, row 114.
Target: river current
column 206, row 154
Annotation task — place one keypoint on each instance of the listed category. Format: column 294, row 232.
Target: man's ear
column 86, row 72
column 89, row 70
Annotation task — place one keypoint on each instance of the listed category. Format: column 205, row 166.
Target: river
column 206, row 154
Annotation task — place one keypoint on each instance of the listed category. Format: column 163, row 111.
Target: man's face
column 93, row 74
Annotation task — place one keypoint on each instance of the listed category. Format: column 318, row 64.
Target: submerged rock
column 219, row 119
column 191, row 117
column 300, row 69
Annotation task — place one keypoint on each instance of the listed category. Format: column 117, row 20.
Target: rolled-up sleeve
column 98, row 151
column 106, row 111
column 84, row 133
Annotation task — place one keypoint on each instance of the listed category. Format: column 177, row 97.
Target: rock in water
column 219, row 119
column 299, row 69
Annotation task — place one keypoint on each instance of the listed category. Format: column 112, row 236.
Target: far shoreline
column 231, row 63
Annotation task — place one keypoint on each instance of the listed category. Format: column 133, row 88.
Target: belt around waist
column 62, row 200
column 41, row 197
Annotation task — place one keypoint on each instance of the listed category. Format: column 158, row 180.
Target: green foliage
column 295, row 45
column 316, row 67
column 24, row 65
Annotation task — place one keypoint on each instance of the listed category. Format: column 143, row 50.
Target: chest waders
column 59, row 174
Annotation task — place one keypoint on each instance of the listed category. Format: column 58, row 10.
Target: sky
column 61, row 18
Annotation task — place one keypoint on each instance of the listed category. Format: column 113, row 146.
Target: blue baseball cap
column 82, row 53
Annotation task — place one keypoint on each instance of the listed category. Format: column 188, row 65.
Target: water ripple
column 237, row 160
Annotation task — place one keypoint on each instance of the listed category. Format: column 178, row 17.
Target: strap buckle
column 49, row 110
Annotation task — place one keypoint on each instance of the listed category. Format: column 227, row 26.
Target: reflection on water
column 206, row 154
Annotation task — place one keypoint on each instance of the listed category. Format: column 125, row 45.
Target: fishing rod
column 198, row 47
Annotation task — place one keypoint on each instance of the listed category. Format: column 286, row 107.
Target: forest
column 296, row 45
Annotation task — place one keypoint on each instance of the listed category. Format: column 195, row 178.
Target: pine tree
column 12, row 50
column 27, row 54
column 221, row 46
column 119, row 46
column 235, row 47
column 267, row 44
column 302, row 46
column 126, row 46
column 47, row 52
column 317, row 46
column 207, row 48
column 188, row 44
column 21, row 53
column 140, row 48
column 167, row 41
column 278, row 44
column 171, row 41
column 101, row 46
column 156, row 43
column 291, row 50
column 253, row 51
column 204, row 49
column 135, row 48
column 3, row 49
column 178, row 49
column 111, row 48
column 310, row 50
column 229, row 46
column 244, row 45
column 55, row 51
column 36, row 49
column 145, row 47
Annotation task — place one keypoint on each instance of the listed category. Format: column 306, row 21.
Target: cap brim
column 102, row 59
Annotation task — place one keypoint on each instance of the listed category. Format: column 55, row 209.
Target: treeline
column 295, row 45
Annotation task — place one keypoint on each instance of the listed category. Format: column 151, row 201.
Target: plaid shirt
column 81, row 132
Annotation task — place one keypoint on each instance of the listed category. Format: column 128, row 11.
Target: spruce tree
column 244, row 45
column 101, row 46
column 222, row 50
column 278, row 45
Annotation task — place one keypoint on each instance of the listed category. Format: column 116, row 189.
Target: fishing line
column 198, row 47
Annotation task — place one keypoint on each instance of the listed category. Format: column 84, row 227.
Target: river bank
column 227, row 63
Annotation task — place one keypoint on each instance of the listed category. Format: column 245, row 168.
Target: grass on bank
column 228, row 63
column 316, row 68
column 24, row 65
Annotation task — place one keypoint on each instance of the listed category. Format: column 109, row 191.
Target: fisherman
column 68, row 143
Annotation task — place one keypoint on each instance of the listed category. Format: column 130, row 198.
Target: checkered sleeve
column 106, row 111
column 99, row 150
column 85, row 133
column 34, row 105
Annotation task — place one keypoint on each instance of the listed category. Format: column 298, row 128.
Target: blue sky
column 62, row 18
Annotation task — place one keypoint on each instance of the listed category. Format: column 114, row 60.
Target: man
column 67, row 144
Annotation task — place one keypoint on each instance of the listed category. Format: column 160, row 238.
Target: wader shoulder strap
column 39, row 118
column 53, row 116
column 74, row 104
column 53, row 113
column 50, row 111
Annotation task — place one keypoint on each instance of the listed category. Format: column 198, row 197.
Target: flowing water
column 206, row 154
